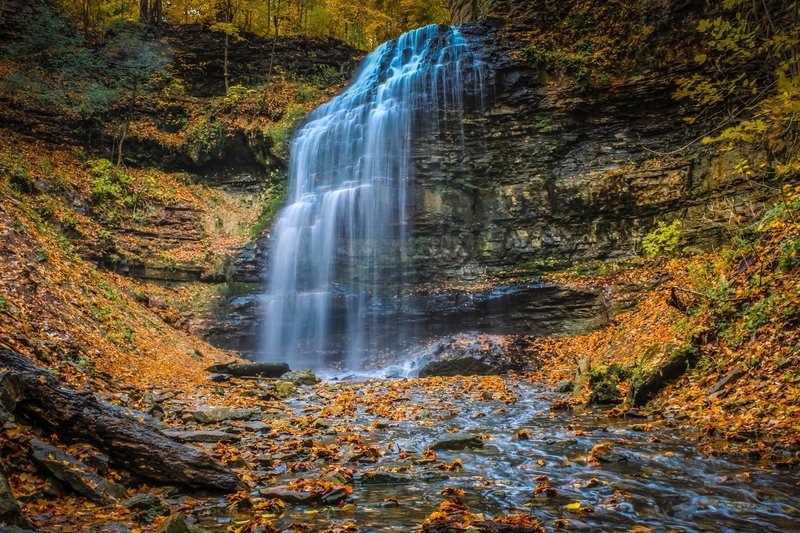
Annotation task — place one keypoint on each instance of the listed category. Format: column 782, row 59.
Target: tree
column 753, row 82
column 133, row 60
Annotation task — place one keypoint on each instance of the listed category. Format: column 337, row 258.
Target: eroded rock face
column 542, row 177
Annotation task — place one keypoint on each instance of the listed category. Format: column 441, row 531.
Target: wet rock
column 561, row 443
column 288, row 495
column 212, row 415
column 671, row 363
column 458, row 441
column 240, row 370
column 285, row 389
column 146, row 507
column 255, row 425
column 174, row 524
column 10, row 511
column 201, row 436
column 73, row 473
column 94, row 459
column 718, row 390
column 164, row 396
column 460, row 366
column 219, row 378
column 605, row 393
column 565, row 386
column 334, row 496
column 301, row 377
column 607, row 453
column 379, row 477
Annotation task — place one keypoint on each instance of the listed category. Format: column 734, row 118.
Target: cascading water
column 339, row 250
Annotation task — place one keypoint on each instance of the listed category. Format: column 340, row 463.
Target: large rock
column 146, row 507
column 458, row 441
column 666, row 364
column 301, row 377
column 10, row 512
column 212, row 415
column 73, row 473
column 461, row 366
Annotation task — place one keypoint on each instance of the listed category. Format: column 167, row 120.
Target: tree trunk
column 225, row 63
column 269, row 15
column 144, row 11
column 136, row 446
column 156, row 12
column 123, row 133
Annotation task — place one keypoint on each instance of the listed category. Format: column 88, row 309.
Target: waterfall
column 339, row 249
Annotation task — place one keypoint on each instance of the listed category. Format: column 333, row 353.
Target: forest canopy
column 364, row 24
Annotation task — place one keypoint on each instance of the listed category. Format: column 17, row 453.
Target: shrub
column 664, row 240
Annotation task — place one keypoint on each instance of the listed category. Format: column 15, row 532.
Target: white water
column 339, row 250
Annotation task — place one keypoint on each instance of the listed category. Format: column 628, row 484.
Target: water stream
column 339, row 250
column 662, row 482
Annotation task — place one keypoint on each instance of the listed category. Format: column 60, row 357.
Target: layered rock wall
column 549, row 176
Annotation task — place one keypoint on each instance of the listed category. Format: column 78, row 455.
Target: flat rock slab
column 212, row 415
column 458, row 441
column 201, row 436
column 288, row 495
column 73, row 473
column 256, row 425
column 719, row 388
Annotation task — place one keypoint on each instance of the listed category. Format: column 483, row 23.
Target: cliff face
column 551, row 174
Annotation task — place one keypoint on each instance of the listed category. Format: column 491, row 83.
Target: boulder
column 10, row 512
column 284, row 389
column 460, row 366
column 73, row 473
column 606, row 452
column 301, row 377
column 604, row 384
column 565, row 386
column 288, row 494
column 458, row 441
column 646, row 383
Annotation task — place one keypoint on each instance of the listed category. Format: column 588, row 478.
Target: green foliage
column 4, row 306
column 543, row 125
column 664, row 240
column 56, row 68
column 275, row 200
column 110, row 183
column 751, row 76
column 604, row 383
column 281, row 133
column 327, row 76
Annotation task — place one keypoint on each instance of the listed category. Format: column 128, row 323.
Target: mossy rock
column 647, row 383
column 604, row 384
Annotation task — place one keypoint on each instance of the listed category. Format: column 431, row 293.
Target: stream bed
column 381, row 431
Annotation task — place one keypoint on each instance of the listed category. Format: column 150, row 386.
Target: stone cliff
column 552, row 173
